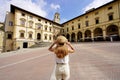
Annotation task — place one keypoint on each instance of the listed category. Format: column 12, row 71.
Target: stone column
column 92, row 36
column 42, row 36
column 70, row 37
column 104, row 34
column 83, row 36
column 119, row 31
column 75, row 37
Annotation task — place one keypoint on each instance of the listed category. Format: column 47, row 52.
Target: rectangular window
column 23, row 14
column 86, row 16
column 110, row 17
column 22, row 35
column 78, row 19
column 39, row 19
column 9, row 36
column 67, row 29
column 96, row 13
column 78, row 26
column 30, row 35
column 72, row 27
column 97, row 21
column 109, row 8
column 31, row 17
column 10, row 23
column 87, row 23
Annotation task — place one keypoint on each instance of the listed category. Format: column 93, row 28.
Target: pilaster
column 104, row 34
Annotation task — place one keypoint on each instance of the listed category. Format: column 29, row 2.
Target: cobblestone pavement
column 91, row 61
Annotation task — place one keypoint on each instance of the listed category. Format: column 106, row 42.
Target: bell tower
column 57, row 17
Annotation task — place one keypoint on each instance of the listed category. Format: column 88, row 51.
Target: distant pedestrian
column 61, row 47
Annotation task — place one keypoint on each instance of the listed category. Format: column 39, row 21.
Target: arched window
column 38, row 36
column 22, row 22
column 46, row 27
column 38, row 26
column 50, row 29
column 22, row 32
column 45, row 36
column 50, row 37
column 30, row 24
column 30, row 34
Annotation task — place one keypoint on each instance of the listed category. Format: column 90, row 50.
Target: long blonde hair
column 61, row 51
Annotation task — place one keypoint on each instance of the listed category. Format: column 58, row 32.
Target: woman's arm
column 72, row 49
column 51, row 47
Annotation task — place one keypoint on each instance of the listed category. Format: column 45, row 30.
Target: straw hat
column 61, row 39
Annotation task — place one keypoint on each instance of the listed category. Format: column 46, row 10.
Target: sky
column 68, row 9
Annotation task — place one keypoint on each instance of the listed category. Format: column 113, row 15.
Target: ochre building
column 100, row 24
column 1, row 36
column 24, row 29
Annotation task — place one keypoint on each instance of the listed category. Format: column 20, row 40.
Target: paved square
column 96, row 61
column 91, row 61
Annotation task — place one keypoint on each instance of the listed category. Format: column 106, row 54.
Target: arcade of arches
column 110, row 33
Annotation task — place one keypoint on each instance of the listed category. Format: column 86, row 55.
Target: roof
column 13, row 7
column 1, row 23
column 89, row 11
column 2, row 27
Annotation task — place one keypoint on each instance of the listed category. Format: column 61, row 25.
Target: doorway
column 25, row 45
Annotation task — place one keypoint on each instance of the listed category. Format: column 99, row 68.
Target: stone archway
column 112, row 33
column 79, row 36
column 68, row 37
column 98, row 34
column 73, row 37
column 88, row 36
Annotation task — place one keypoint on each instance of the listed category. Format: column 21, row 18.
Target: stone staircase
column 40, row 44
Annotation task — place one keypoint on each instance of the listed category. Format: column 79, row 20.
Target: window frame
column 86, row 23
column 9, row 35
column 10, row 23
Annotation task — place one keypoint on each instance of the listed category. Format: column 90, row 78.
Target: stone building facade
column 23, row 29
column 1, row 36
column 100, row 24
